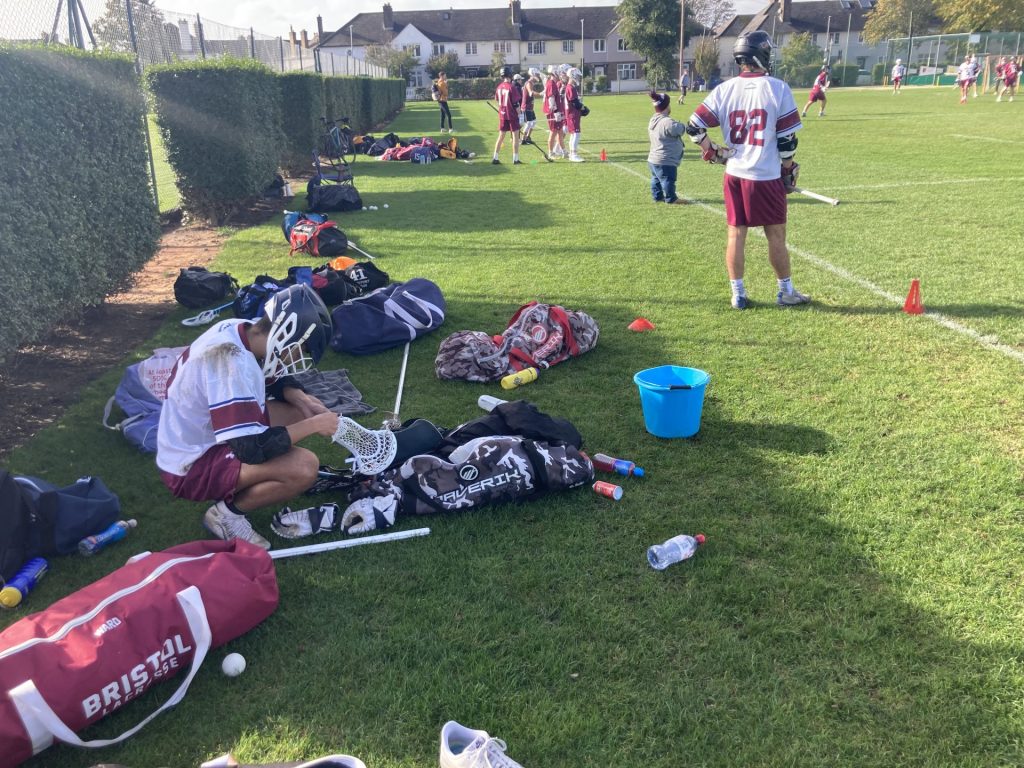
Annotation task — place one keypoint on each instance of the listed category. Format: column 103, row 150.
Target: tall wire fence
column 159, row 35
column 933, row 59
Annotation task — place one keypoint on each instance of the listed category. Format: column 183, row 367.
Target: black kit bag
column 332, row 197
column 18, row 516
column 197, row 287
column 364, row 277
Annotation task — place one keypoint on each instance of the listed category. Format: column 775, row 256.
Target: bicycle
column 337, row 143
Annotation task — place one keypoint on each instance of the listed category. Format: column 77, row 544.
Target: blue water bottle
column 24, row 581
column 90, row 545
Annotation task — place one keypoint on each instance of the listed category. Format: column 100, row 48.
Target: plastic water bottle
column 519, row 378
column 489, row 402
column 24, row 581
column 620, row 466
column 90, row 545
column 676, row 549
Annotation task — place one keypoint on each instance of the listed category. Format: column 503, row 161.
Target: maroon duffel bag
column 94, row 651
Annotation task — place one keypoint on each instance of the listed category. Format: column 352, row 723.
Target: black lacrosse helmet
column 506, row 71
column 754, row 48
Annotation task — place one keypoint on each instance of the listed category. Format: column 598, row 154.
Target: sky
column 273, row 17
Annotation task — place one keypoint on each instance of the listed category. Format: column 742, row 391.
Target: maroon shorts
column 817, row 95
column 214, row 476
column 554, row 125
column 897, row 80
column 508, row 123
column 572, row 123
column 754, row 203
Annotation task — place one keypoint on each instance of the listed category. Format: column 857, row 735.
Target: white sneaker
column 463, row 747
column 226, row 525
column 791, row 299
column 576, row 159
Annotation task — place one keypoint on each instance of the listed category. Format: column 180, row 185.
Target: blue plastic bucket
column 672, row 398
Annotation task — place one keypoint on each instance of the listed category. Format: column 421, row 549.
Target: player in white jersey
column 221, row 438
column 963, row 78
column 975, row 71
column 897, row 74
column 759, row 119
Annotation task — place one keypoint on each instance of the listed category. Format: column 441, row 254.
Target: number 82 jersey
column 753, row 110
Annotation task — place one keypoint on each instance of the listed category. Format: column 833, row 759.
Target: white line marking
column 990, row 341
column 935, row 182
column 984, row 138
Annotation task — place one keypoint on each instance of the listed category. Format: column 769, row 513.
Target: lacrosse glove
column 373, row 513
column 559, row 117
column 789, row 177
column 295, row 524
column 715, row 154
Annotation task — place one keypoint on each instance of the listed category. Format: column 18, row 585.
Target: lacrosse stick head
column 373, row 450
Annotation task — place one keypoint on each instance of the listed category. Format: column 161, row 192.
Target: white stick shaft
column 816, row 196
column 357, row 248
column 327, row 546
column 401, row 380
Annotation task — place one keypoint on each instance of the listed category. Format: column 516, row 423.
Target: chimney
column 389, row 18
column 305, row 39
column 785, row 10
column 516, row 10
column 291, row 37
column 319, row 27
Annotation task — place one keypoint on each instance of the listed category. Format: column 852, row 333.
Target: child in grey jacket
column 666, row 150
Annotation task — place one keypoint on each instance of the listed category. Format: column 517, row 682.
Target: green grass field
column 858, row 472
column 166, row 190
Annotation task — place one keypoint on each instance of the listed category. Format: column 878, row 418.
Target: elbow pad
column 787, row 146
column 696, row 133
column 267, row 445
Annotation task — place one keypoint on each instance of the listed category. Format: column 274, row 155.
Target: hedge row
column 228, row 123
column 78, row 213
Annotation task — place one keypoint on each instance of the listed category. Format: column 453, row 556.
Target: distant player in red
column 508, row 97
column 553, row 111
column 759, row 120
column 998, row 80
column 1011, row 72
column 573, row 115
column 963, row 78
column 529, row 116
column 898, row 73
column 818, row 92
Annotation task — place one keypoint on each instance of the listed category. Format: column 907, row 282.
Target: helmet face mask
column 506, row 71
column 300, row 327
column 754, row 49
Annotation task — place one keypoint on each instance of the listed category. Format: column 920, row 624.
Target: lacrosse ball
column 364, row 207
column 385, row 205
column 233, row 664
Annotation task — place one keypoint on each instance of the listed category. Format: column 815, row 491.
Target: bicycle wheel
column 347, row 145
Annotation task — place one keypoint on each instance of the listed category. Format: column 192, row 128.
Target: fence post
column 145, row 117
column 300, row 59
column 202, row 40
column 252, row 44
column 280, row 45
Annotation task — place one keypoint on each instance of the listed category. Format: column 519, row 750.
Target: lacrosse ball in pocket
column 519, row 378
column 233, row 664
column 611, row 490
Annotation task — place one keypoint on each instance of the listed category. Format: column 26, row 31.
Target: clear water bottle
column 676, row 549
column 90, row 545
column 24, row 581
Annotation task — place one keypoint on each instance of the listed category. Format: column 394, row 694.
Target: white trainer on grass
column 784, row 299
column 463, row 747
column 226, row 525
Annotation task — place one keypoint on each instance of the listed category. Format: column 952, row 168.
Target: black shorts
column 530, row 115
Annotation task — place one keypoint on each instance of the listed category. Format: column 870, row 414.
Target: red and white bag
column 94, row 651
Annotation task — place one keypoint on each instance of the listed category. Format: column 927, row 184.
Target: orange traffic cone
column 913, row 305
column 604, row 155
column 641, row 324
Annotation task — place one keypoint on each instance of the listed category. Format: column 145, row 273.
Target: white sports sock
column 495, row 155
column 515, row 157
column 737, row 287
column 786, row 285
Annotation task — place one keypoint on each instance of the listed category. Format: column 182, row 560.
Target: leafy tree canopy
column 447, row 62
column 651, row 28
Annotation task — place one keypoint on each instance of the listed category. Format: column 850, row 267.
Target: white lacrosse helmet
column 563, row 69
column 552, row 69
column 899, row 61
column 533, row 72
column 575, row 74
column 300, row 328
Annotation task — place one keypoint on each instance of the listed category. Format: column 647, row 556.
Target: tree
column 447, row 62
column 399, row 63
column 156, row 45
column 711, row 13
column 799, row 52
column 497, row 62
column 891, row 18
column 705, row 57
column 651, row 28
column 973, row 16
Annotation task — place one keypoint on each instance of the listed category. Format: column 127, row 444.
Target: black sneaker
column 517, row 162
column 527, row 141
column 495, row 161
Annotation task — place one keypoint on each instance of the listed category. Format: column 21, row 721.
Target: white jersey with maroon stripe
column 216, row 393
column 753, row 110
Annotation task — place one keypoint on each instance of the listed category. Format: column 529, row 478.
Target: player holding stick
column 898, row 73
column 759, row 120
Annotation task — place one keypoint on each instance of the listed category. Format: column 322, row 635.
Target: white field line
column 988, row 341
column 985, row 138
column 936, row 182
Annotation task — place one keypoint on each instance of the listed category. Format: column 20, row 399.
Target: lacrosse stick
column 394, row 422
column 206, row 317
column 372, row 450
column 816, row 196
column 356, row 247
column 327, row 546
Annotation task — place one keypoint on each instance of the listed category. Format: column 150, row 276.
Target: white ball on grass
column 233, row 664
column 364, row 207
column 385, row 205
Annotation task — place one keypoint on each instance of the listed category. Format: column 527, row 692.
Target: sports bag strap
column 393, row 309
column 119, row 427
column 561, row 317
column 43, row 725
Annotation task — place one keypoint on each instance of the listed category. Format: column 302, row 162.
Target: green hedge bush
column 844, row 74
column 78, row 214
column 879, row 72
column 302, row 105
column 221, row 124
column 367, row 102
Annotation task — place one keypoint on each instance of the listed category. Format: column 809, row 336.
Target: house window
column 471, row 49
column 860, row 37
column 568, row 46
column 416, row 79
column 835, row 38
column 622, row 45
column 598, row 71
column 503, row 46
column 414, row 49
column 535, row 49
column 862, row 62
column 627, row 71
column 438, row 49
column 599, row 46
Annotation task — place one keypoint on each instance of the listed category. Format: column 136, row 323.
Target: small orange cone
column 604, row 155
column 641, row 324
column 913, row 305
